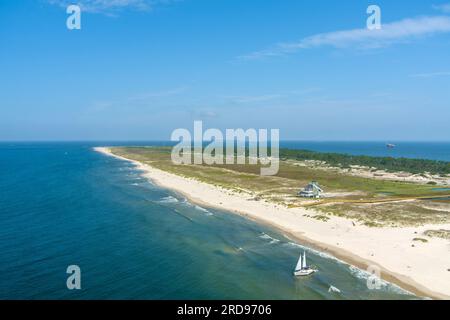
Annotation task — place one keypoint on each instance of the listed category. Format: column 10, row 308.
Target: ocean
column 413, row 150
column 64, row 204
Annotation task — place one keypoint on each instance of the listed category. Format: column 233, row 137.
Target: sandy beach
column 420, row 267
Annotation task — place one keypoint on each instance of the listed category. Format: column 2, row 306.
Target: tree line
column 382, row 163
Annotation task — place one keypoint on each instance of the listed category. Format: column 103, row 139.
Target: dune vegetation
column 374, row 202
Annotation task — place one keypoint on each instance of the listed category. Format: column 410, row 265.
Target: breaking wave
column 333, row 289
column 169, row 199
column 265, row 236
column 316, row 252
column 383, row 285
column 207, row 212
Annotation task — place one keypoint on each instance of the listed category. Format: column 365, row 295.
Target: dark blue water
column 63, row 204
column 414, row 150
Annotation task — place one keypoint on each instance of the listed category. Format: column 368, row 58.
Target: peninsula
column 372, row 212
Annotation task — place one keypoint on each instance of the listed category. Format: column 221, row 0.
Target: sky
column 139, row 69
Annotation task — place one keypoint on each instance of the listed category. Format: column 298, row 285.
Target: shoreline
column 359, row 246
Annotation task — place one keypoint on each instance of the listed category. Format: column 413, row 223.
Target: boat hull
column 304, row 272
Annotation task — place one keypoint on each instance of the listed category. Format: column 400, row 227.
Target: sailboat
column 302, row 269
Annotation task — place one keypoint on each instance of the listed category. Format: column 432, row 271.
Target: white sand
column 422, row 269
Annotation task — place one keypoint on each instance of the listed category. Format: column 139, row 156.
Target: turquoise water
column 64, row 204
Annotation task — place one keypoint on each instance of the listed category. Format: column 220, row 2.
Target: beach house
column 312, row 190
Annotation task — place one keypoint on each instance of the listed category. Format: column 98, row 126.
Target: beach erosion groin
column 419, row 267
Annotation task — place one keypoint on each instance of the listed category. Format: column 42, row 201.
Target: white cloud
column 443, row 7
column 159, row 94
column 269, row 97
column 390, row 33
column 111, row 6
column 260, row 98
column 431, row 74
column 204, row 114
column 148, row 99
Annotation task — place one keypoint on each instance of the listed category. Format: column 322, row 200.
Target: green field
column 370, row 201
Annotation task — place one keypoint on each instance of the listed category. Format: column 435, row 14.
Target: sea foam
column 169, row 199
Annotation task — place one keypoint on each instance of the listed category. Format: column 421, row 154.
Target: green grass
column 443, row 234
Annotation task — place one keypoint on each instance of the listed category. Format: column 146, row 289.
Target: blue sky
column 138, row 69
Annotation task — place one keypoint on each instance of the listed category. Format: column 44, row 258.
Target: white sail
column 299, row 263
column 304, row 260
